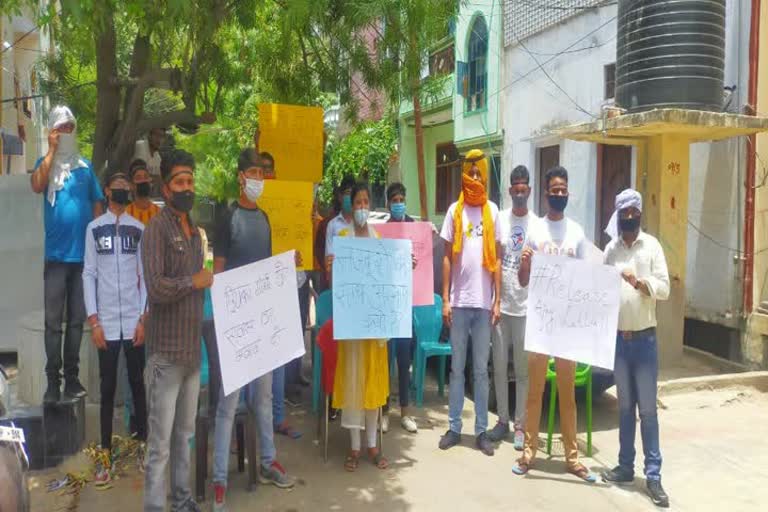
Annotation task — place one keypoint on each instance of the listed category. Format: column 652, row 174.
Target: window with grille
column 447, row 176
column 478, row 65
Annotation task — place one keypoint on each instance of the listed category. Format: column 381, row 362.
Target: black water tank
column 670, row 54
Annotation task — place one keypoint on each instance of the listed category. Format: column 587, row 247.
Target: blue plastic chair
column 428, row 323
column 323, row 313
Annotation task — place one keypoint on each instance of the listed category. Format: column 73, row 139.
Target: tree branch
column 168, row 119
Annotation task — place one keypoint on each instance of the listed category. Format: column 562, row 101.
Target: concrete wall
column 21, row 255
column 534, row 106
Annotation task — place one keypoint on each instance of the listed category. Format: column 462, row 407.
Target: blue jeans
column 477, row 323
column 278, row 394
column 403, row 350
column 260, row 404
column 636, row 372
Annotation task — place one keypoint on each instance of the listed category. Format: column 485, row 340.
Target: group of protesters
column 137, row 274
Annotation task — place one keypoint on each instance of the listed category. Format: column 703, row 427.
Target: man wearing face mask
column 72, row 198
column 142, row 208
column 115, row 300
column 557, row 235
column 471, row 294
column 515, row 224
column 172, row 255
column 244, row 236
column 402, row 347
column 344, row 220
column 643, row 267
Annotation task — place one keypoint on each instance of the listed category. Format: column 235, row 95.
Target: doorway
column 614, row 174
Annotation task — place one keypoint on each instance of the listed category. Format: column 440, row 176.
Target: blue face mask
column 397, row 210
column 346, row 204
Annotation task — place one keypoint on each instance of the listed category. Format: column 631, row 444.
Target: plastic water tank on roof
column 670, row 54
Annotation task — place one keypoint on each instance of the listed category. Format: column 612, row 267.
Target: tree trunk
column 107, row 92
column 420, row 157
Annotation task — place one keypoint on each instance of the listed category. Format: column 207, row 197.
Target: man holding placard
column 643, row 267
column 172, row 255
column 515, row 224
column 556, row 235
column 471, row 294
column 243, row 236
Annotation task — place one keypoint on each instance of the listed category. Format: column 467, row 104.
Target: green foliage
column 364, row 153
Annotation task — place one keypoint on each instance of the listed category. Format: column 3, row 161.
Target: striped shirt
column 175, row 307
column 143, row 215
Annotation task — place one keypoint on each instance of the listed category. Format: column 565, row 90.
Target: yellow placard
column 289, row 207
column 293, row 135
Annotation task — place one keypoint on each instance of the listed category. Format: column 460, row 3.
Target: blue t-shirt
column 65, row 223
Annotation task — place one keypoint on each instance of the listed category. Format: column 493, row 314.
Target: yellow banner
column 289, row 207
column 293, row 135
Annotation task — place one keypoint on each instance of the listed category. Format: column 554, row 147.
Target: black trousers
column 63, row 285
column 108, row 359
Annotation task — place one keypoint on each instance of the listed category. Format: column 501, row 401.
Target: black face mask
column 142, row 189
column 629, row 225
column 183, row 201
column 557, row 203
column 119, row 196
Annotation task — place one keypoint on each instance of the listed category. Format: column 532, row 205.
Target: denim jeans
column 259, row 396
column 172, row 392
column 403, row 352
column 477, row 323
column 63, row 284
column 636, row 372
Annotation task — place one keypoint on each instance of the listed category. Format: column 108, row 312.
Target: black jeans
column 403, row 350
column 63, row 284
column 134, row 357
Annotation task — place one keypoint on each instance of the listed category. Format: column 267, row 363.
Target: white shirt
column 113, row 275
column 153, row 161
column 471, row 283
column 514, row 232
column 337, row 224
column 645, row 258
column 560, row 237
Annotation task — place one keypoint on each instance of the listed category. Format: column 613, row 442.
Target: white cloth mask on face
column 67, row 156
column 253, row 188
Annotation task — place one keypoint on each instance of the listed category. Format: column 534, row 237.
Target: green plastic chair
column 427, row 324
column 583, row 379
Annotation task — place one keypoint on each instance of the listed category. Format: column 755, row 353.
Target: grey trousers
column 172, row 392
column 510, row 332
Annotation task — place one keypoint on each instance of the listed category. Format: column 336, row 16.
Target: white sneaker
column 385, row 423
column 409, row 424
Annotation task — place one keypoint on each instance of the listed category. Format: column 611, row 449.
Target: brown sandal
column 581, row 471
column 352, row 461
column 379, row 460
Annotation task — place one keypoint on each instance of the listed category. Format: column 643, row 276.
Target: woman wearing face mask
column 361, row 382
column 142, row 208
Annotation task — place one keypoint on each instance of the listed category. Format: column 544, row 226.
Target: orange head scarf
column 474, row 193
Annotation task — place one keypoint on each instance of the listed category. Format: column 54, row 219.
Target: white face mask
column 253, row 188
column 67, row 146
column 361, row 217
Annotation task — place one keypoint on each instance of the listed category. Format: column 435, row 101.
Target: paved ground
column 713, row 442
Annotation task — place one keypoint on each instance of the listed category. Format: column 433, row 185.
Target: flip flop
column 521, row 468
column 288, row 431
column 581, row 471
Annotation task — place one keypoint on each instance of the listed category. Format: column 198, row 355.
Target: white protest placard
column 256, row 315
column 372, row 288
column 573, row 309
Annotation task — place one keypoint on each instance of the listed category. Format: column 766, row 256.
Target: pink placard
column 420, row 234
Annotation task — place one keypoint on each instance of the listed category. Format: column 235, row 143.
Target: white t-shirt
column 337, row 224
column 471, row 283
column 514, row 232
column 564, row 237
column 153, row 161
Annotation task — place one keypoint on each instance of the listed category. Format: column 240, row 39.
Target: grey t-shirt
column 243, row 236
